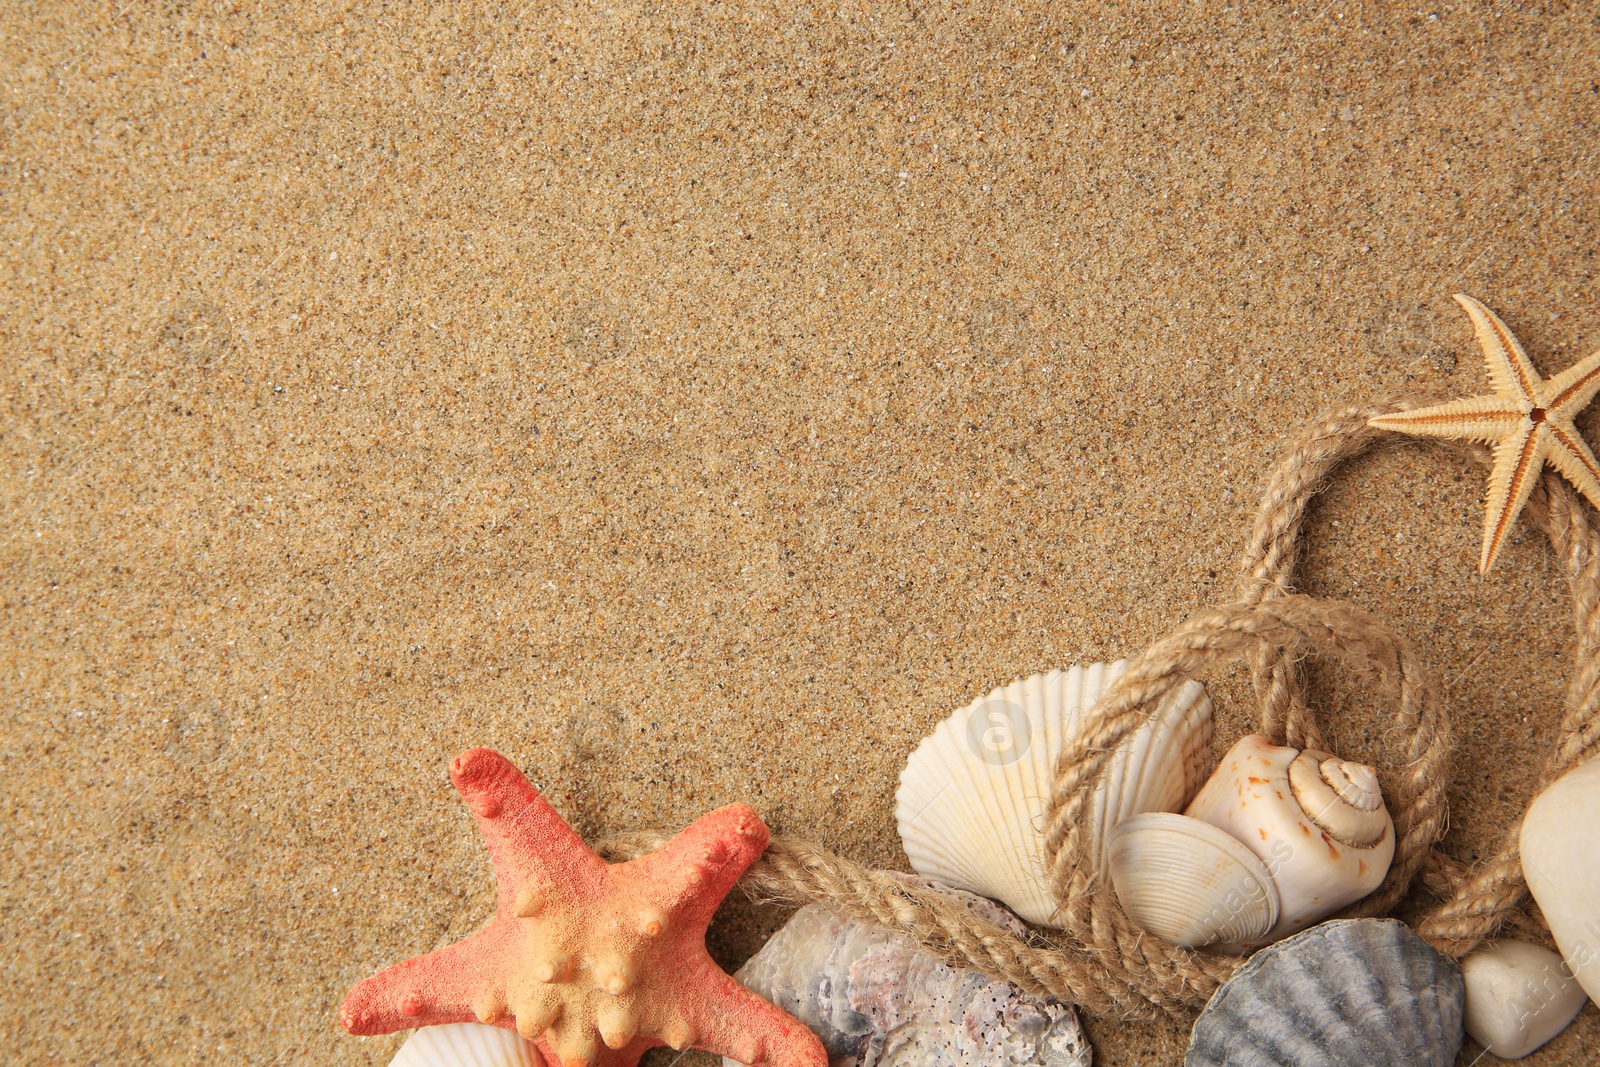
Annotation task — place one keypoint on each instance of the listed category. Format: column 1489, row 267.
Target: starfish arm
column 729, row 1020
column 445, row 986
column 703, row 862
column 1475, row 418
column 1570, row 391
column 1518, row 462
column 530, row 845
column 1509, row 368
column 1570, row 455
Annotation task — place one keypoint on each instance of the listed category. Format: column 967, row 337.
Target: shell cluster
column 1273, row 841
column 1365, row 991
column 1276, row 840
column 877, row 1000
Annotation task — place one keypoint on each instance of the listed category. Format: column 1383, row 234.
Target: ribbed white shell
column 971, row 806
column 1189, row 882
column 466, row 1045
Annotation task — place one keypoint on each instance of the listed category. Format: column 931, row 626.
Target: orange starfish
column 581, row 952
column 1528, row 421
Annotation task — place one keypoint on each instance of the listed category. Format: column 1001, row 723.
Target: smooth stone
column 1561, row 861
column 1518, row 997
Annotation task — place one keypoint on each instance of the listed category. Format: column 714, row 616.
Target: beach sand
column 697, row 405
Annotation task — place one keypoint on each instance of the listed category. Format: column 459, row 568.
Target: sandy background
column 695, row 405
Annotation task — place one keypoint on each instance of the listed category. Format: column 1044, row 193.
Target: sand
column 697, row 405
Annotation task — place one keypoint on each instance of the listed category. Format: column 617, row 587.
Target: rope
column 1098, row 959
column 795, row 872
column 1481, row 900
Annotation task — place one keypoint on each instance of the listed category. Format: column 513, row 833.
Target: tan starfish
column 1528, row 421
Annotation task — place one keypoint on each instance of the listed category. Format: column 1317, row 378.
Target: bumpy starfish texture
column 1528, row 421
column 595, row 962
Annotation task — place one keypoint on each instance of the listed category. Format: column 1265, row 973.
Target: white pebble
column 1518, row 997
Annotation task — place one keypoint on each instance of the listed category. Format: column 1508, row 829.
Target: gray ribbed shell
column 1355, row 991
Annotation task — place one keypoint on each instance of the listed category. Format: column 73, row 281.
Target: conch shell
column 1315, row 825
column 1317, row 822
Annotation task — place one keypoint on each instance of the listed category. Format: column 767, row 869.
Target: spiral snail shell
column 1314, row 825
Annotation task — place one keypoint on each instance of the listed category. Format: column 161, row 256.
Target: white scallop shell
column 466, row 1045
column 972, row 796
column 1189, row 882
column 1290, row 809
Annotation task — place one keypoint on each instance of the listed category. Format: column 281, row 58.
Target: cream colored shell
column 972, row 797
column 466, row 1045
column 1189, row 882
column 1561, row 860
column 1317, row 823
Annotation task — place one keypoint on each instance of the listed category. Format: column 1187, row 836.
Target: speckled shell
column 1322, row 850
column 1355, row 991
column 466, row 1045
column 972, row 796
column 876, row 999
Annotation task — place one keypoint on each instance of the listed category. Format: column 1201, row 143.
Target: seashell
column 1318, row 823
column 1189, row 882
column 466, row 1045
column 972, row 796
column 1365, row 991
column 1518, row 997
column 1561, row 861
column 875, row 999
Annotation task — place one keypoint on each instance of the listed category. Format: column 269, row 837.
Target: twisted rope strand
column 793, row 872
column 1267, row 570
column 1494, row 893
